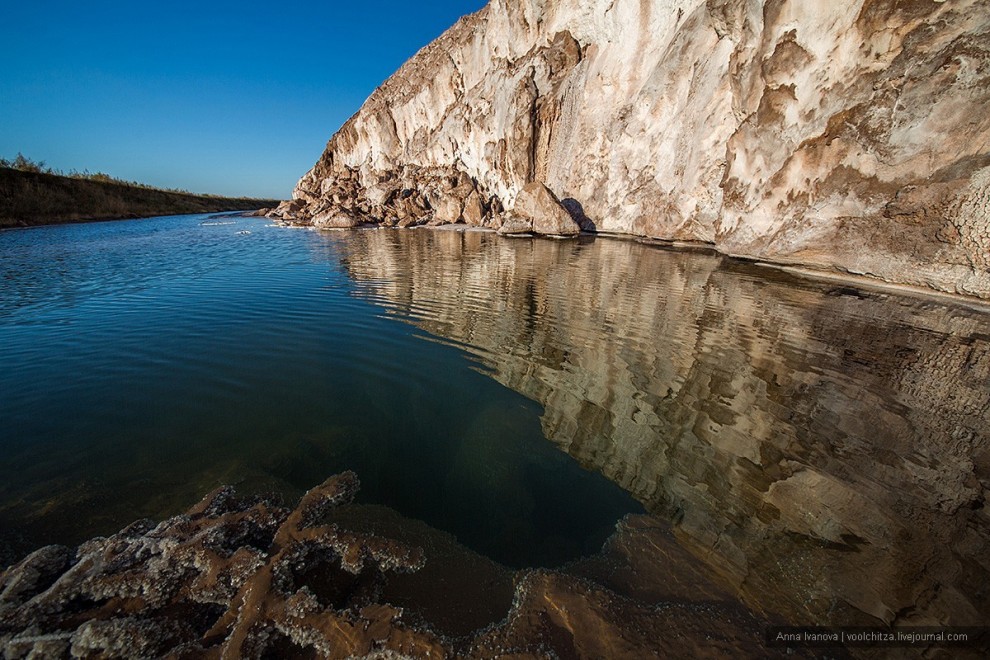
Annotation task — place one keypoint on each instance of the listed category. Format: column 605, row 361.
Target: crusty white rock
column 851, row 134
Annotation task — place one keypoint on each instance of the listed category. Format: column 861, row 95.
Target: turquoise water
column 143, row 363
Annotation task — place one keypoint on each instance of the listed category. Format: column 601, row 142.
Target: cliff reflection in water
column 824, row 451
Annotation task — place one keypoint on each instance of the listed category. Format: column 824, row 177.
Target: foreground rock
column 244, row 577
column 849, row 135
column 238, row 577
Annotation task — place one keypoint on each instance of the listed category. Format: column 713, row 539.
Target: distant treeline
column 33, row 194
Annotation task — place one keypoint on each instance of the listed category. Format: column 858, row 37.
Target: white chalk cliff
column 851, row 134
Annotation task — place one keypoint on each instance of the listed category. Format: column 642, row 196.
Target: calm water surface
column 823, row 450
column 143, row 363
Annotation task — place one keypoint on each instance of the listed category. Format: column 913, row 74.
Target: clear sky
column 233, row 98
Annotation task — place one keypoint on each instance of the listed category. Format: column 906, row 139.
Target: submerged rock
column 233, row 577
column 245, row 577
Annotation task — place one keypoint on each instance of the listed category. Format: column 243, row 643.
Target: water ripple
column 144, row 363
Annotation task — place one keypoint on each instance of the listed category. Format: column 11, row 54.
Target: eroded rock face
column 849, row 135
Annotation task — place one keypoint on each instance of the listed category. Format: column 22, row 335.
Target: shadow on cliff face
column 576, row 210
column 825, row 455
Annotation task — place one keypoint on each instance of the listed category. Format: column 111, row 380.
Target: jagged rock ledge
column 246, row 577
column 849, row 136
column 434, row 198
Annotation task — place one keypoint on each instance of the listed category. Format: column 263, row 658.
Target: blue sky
column 234, row 98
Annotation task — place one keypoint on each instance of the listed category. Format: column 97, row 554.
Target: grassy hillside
column 39, row 198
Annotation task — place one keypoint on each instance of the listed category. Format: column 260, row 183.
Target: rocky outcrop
column 849, row 135
column 247, row 578
column 233, row 577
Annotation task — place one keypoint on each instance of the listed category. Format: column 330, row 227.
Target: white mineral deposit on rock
column 850, row 135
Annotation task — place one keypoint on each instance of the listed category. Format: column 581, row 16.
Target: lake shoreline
column 32, row 199
column 796, row 269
